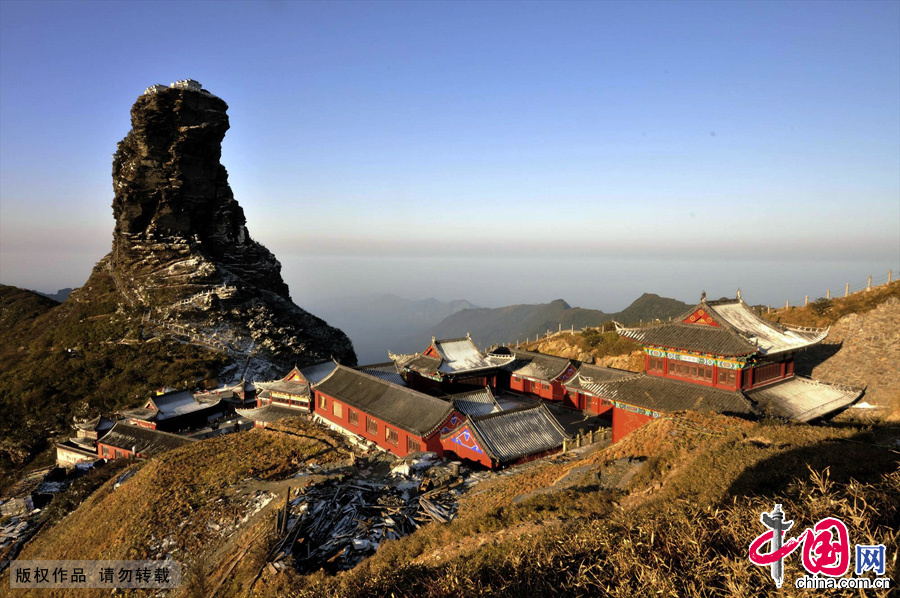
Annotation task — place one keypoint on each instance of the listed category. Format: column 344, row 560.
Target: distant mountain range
column 59, row 296
column 507, row 324
column 379, row 323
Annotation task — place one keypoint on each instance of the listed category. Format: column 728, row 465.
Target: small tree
column 821, row 305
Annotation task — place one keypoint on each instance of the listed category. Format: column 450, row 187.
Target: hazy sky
column 498, row 152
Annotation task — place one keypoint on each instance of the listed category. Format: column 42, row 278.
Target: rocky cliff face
column 182, row 256
column 868, row 356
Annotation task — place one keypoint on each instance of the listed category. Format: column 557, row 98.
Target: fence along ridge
column 861, row 287
column 849, row 289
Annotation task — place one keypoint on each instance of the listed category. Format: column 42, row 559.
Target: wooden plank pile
column 335, row 525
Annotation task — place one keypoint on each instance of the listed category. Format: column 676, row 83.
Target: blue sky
column 474, row 150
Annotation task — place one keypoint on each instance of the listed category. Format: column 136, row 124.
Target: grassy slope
column 683, row 530
column 602, row 348
column 175, row 495
column 44, row 387
column 869, row 347
column 18, row 305
column 825, row 312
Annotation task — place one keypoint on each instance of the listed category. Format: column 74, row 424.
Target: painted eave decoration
column 466, row 439
column 701, row 316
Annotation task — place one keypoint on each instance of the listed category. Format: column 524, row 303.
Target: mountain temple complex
column 720, row 356
column 506, row 406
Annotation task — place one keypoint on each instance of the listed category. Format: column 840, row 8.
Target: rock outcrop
column 182, row 256
column 868, row 356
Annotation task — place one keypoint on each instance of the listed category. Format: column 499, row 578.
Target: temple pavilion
column 452, row 365
column 745, row 363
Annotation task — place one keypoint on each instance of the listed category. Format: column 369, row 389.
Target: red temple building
column 504, row 438
column 290, row 397
column 176, row 411
column 719, row 356
column 291, row 391
column 287, row 398
column 128, row 441
column 723, row 344
column 83, row 447
column 581, row 390
column 396, row 418
column 242, row 394
column 450, row 365
column 537, row 375
column 636, row 399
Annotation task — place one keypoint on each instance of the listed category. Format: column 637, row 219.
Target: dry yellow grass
column 683, row 531
column 172, row 498
column 822, row 312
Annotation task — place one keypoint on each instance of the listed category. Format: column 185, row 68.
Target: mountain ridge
column 514, row 323
column 59, row 296
column 379, row 323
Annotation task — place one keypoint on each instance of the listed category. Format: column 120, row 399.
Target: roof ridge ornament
column 739, row 293
column 703, row 297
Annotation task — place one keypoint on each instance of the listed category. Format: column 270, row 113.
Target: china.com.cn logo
column 826, row 551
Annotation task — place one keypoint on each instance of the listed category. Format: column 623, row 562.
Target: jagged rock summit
column 181, row 251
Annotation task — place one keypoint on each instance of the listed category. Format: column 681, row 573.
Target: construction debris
column 335, row 524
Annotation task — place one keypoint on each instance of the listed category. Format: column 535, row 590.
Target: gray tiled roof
column 271, row 413
column 591, row 375
column 770, row 337
column 397, row 405
column 517, row 433
column 147, row 442
column 538, row 366
column 803, row 399
column 314, row 373
column 78, row 447
column 501, row 361
column 475, row 403
column 509, row 365
column 385, row 371
column 665, row 395
column 141, row 413
column 691, row 337
column 597, row 373
column 293, row 387
column 739, row 332
column 98, row 424
column 460, row 355
column 176, row 406
column 85, row 443
column 424, row 364
column 174, row 402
